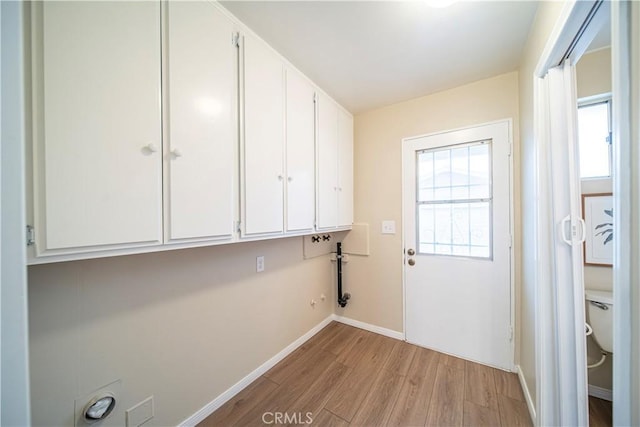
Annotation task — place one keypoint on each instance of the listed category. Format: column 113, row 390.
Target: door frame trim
column 512, row 259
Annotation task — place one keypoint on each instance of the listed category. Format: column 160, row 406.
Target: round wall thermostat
column 99, row 408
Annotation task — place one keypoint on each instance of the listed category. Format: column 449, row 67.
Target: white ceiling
column 368, row 54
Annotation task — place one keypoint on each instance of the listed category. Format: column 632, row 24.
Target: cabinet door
column 300, row 153
column 201, row 137
column 345, row 169
column 263, row 139
column 327, row 165
column 98, row 124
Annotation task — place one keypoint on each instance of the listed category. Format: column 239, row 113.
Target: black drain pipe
column 342, row 299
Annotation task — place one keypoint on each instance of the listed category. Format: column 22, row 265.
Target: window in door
column 594, row 139
column 454, row 200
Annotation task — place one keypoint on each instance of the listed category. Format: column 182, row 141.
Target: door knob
column 412, row 261
column 411, row 252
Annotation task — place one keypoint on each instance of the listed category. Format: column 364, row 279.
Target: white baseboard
column 210, row 407
column 369, row 327
column 527, row 394
column 600, row 392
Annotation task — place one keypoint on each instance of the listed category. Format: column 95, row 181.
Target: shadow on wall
column 126, row 283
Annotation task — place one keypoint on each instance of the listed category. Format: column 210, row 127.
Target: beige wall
column 543, row 24
column 375, row 282
column 593, row 74
column 182, row 325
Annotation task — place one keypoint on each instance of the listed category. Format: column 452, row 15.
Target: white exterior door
column 457, row 231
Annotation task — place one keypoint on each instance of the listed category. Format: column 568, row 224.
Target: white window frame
column 468, row 201
column 595, row 100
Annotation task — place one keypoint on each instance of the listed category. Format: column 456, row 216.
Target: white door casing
column 626, row 180
column 462, row 305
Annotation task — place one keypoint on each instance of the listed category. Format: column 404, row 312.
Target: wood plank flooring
column 600, row 412
column 345, row 376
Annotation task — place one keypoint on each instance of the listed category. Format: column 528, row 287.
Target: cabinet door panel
column 327, row 212
column 300, row 153
column 263, row 139
column 345, row 169
column 200, row 72
column 100, row 95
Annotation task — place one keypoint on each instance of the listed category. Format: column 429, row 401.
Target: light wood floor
column 346, row 376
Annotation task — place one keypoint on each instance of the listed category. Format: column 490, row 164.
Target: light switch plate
column 388, row 227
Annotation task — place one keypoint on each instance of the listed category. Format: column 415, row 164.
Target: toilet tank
column 600, row 317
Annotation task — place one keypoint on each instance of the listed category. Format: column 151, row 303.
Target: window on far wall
column 594, row 139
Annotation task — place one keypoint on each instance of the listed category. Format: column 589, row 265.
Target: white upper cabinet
column 263, row 139
column 165, row 124
column 327, row 164
column 334, row 166
column 345, row 169
column 201, row 145
column 300, row 143
column 97, row 125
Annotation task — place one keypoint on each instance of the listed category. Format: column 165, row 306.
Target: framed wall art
column 598, row 217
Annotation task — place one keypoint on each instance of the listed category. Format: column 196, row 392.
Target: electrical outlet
column 260, row 264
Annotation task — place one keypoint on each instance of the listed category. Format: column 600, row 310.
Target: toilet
column 600, row 320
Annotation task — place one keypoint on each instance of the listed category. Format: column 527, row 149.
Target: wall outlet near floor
column 140, row 413
column 260, row 264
